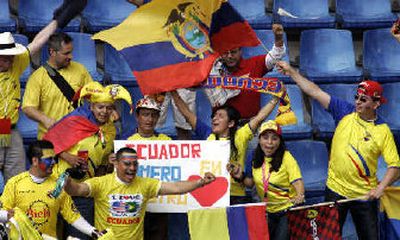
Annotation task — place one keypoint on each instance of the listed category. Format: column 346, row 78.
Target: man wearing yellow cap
column 84, row 138
column 14, row 59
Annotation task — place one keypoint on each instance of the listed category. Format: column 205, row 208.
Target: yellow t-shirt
column 122, row 206
column 160, row 136
column 20, row 191
column 242, row 137
column 42, row 93
column 97, row 152
column 280, row 188
column 10, row 89
column 356, row 147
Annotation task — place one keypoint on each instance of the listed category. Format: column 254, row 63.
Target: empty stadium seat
column 7, row 24
column 310, row 13
column 381, row 55
column 22, row 39
column 312, row 157
column 99, row 15
column 27, row 127
column 33, row 15
column 327, row 56
column 322, row 121
column 267, row 38
column 364, row 13
column 254, row 12
column 302, row 129
column 116, row 67
column 84, row 52
column 390, row 111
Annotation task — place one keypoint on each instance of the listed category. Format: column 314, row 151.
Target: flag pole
column 329, row 203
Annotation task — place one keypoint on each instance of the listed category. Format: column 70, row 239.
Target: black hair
column 125, row 150
column 56, row 39
column 233, row 115
column 36, row 149
column 277, row 157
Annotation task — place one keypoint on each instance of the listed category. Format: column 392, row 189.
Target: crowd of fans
column 76, row 131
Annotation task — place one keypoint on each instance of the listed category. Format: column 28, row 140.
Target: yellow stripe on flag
column 146, row 24
column 390, row 202
column 204, row 223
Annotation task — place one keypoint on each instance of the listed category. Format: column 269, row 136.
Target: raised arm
column 263, row 114
column 62, row 16
column 190, row 117
column 308, row 87
column 76, row 189
column 181, row 187
column 278, row 49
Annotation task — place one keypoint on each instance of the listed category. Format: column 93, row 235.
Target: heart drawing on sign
column 209, row 194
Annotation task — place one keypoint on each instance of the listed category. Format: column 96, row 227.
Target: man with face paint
column 14, row 59
column 114, row 192
column 29, row 192
column 360, row 138
column 88, row 129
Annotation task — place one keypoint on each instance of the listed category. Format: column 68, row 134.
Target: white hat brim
column 17, row 50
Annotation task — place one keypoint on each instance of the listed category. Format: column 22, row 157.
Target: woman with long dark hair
column 224, row 126
column 277, row 178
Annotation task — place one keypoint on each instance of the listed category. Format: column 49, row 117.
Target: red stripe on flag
column 238, row 35
column 257, row 229
column 80, row 126
column 171, row 77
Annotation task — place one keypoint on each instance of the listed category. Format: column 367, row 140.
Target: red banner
column 314, row 223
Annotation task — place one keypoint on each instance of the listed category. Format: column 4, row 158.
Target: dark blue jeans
column 278, row 226
column 364, row 214
column 86, row 208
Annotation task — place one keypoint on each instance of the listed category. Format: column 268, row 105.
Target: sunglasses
column 361, row 98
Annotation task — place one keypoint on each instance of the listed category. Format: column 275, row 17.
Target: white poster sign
column 172, row 161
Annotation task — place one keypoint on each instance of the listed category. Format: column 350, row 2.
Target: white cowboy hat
column 8, row 45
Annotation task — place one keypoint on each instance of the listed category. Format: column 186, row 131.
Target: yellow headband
column 96, row 93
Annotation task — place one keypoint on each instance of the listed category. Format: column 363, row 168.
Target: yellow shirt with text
column 20, row 191
column 121, row 206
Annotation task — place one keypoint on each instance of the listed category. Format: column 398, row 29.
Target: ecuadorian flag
column 239, row 222
column 390, row 214
column 172, row 44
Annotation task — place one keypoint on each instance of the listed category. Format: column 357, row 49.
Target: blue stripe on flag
column 237, row 223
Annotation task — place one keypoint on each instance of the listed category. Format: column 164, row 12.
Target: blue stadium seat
column 267, row 38
column 381, row 55
column 7, row 24
column 33, row 15
column 364, row 13
column 27, row 127
column 323, row 123
column 116, row 67
column 312, row 157
column 302, row 129
column 327, row 55
column 128, row 120
column 22, row 39
column 254, row 12
column 310, row 13
column 84, row 52
column 99, row 15
column 390, row 111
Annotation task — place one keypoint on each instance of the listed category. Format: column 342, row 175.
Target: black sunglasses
column 362, row 99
